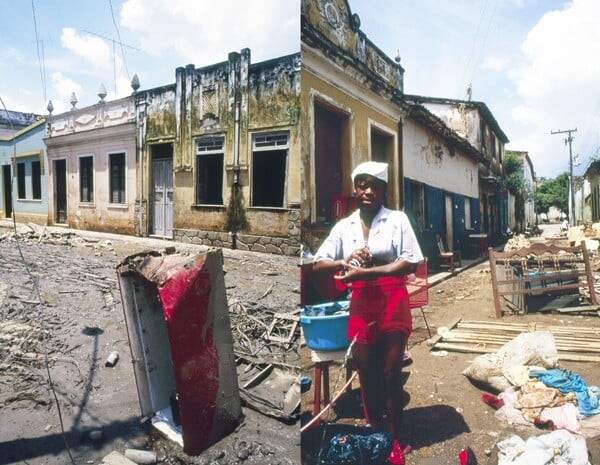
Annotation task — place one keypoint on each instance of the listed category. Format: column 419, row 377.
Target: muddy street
column 61, row 317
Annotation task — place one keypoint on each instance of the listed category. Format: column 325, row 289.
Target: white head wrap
column 376, row 169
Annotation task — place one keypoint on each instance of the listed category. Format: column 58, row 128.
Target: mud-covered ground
column 80, row 322
column 69, row 335
column 444, row 412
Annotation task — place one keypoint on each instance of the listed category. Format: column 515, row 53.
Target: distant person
column 375, row 248
column 565, row 225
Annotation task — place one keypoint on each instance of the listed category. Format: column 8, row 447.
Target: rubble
column 78, row 321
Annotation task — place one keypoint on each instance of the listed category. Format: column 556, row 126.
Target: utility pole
column 569, row 140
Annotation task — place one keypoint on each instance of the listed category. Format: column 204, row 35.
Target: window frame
column 270, row 141
column 122, row 189
column 91, row 177
column 21, row 180
column 36, row 180
column 209, row 146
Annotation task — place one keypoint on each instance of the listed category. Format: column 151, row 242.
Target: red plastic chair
column 418, row 291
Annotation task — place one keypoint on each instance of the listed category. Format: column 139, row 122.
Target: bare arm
column 397, row 268
column 361, row 255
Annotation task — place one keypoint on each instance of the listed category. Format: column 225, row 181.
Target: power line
column 569, row 140
column 40, row 58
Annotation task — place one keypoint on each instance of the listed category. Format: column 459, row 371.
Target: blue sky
column 534, row 63
column 77, row 46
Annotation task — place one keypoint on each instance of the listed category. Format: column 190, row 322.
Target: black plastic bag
column 355, row 449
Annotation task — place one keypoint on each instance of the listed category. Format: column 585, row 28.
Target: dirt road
column 81, row 321
column 445, row 412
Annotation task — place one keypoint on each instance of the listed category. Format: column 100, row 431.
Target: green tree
column 553, row 192
column 515, row 182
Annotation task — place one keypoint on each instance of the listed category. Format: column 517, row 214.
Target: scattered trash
column 142, row 457
column 95, row 435
column 559, row 446
column 439, row 353
column 112, row 359
column 305, row 384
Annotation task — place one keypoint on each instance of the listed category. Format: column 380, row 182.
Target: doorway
column 449, row 211
column 7, row 191
column 330, row 134
column 60, row 191
column 162, row 190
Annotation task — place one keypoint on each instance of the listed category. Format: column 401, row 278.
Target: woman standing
column 375, row 248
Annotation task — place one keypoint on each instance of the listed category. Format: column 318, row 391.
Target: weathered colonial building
column 441, row 184
column 92, row 166
column 354, row 109
column 591, row 195
column 220, row 155
column 23, row 192
column 475, row 122
column 213, row 159
column 351, row 112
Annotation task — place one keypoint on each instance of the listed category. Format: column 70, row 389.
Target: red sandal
column 396, row 457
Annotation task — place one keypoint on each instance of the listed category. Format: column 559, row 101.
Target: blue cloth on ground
column 588, row 398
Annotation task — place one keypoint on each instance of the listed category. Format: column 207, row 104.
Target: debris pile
column 32, row 232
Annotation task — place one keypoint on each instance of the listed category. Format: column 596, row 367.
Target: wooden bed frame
column 541, row 270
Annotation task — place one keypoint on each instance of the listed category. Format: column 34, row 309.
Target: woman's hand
column 350, row 273
column 362, row 256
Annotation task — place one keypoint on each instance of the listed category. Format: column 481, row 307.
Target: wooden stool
column 323, row 359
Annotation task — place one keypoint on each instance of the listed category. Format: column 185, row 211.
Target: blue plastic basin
column 328, row 332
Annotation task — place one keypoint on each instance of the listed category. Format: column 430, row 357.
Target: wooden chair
column 418, row 291
column 448, row 259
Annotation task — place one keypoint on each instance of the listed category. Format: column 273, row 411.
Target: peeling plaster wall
column 328, row 85
column 202, row 103
column 429, row 160
column 160, row 113
column 468, row 122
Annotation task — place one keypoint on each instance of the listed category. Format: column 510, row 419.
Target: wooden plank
column 438, row 337
column 488, row 350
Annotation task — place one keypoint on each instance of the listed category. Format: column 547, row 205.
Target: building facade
column 220, row 155
column 351, row 111
column 92, row 167
column 475, row 122
column 23, row 192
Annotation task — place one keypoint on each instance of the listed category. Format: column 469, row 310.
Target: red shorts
column 378, row 306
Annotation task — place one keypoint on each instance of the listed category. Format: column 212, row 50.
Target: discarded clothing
column 355, row 449
column 334, row 308
column 557, row 447
column 562, row 417
column 588, row 399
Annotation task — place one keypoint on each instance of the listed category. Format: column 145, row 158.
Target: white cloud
column 494, row 63
column 62, row 88
column 558, row 84
column 94, row 50
column 202, row 34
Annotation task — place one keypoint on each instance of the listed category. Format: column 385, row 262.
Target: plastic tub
column 326, row 332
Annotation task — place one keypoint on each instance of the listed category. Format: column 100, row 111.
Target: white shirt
column 391, row 238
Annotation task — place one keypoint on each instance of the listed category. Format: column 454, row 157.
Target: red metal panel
column 185, row 298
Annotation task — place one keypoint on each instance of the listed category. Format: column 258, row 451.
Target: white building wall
column 425, row 163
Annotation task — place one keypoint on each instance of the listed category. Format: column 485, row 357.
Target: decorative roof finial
column 73, row 100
